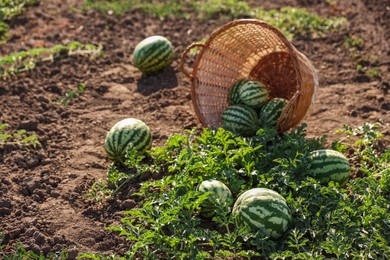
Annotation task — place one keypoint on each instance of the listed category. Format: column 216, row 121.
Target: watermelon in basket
column 255, row 50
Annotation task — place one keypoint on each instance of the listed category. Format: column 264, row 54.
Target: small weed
column 71, row 94
column 353, row 42
column 8, row 10
column 366, row 64
column 99, row 191
column 21, row 138
column 370, row 72
column 27, row 60
column 374, row 73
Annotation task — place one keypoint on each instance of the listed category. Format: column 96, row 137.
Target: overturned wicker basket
column 249, row 48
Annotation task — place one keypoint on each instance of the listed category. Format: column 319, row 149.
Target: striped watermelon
column 234, row 94
column 129, row 132
column 253, row 93
column 262, row 209
column 220, row 195
column 240, row 119
column 271, row 111
column 153, row 54
column 329, row 165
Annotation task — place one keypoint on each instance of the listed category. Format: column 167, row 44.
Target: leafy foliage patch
column 328, row 220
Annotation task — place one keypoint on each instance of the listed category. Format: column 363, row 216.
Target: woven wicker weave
column 249, row 48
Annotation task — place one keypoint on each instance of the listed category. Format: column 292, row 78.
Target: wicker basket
column 249, row 48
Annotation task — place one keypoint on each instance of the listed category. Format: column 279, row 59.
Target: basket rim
column 291, row 50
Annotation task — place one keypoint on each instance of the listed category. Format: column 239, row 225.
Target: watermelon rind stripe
column 322, row 166
column 234, row 95
column 154, row 53
column 145, row 52
column 271, row 111
column 238, row 122
column 253, row 93
column 240, row 119
column 109, row 146
column 235, row 111
column 263, row 209
column 143, row 140
column 129, row 140
column 333, row 173
column 152, row 57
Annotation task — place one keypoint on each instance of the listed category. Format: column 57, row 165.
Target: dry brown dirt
column 42, row 191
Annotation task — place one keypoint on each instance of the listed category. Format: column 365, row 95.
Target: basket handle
column 184, row 57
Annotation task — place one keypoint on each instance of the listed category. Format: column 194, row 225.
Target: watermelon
column 125, row 134
column 253, row 93
column 153, row 54
column 234, row 94
column 264, row 210
column 328, row 165
column 240, row 119
column 271, row 111
column 220, row 195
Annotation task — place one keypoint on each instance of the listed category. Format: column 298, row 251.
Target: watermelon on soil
column 127, row 133
column 153, row 54
column 220, row 195
column 240, row 119
column 329, row 165
column 271, row 111
column 263, row 209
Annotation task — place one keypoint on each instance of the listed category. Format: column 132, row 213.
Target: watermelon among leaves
column 263, row 210
column 220, row 195
column 129, row 133
column 329, row 165
column 153, row 54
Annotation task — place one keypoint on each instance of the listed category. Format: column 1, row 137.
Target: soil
column 42, row 191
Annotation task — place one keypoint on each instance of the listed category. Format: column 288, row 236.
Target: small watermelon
column 220, row 195
column 153, row 54
column 240, row 119
column 271, row 111
column 263, row 209
column 129, row 132
column 328, row 165
column 253, row 93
